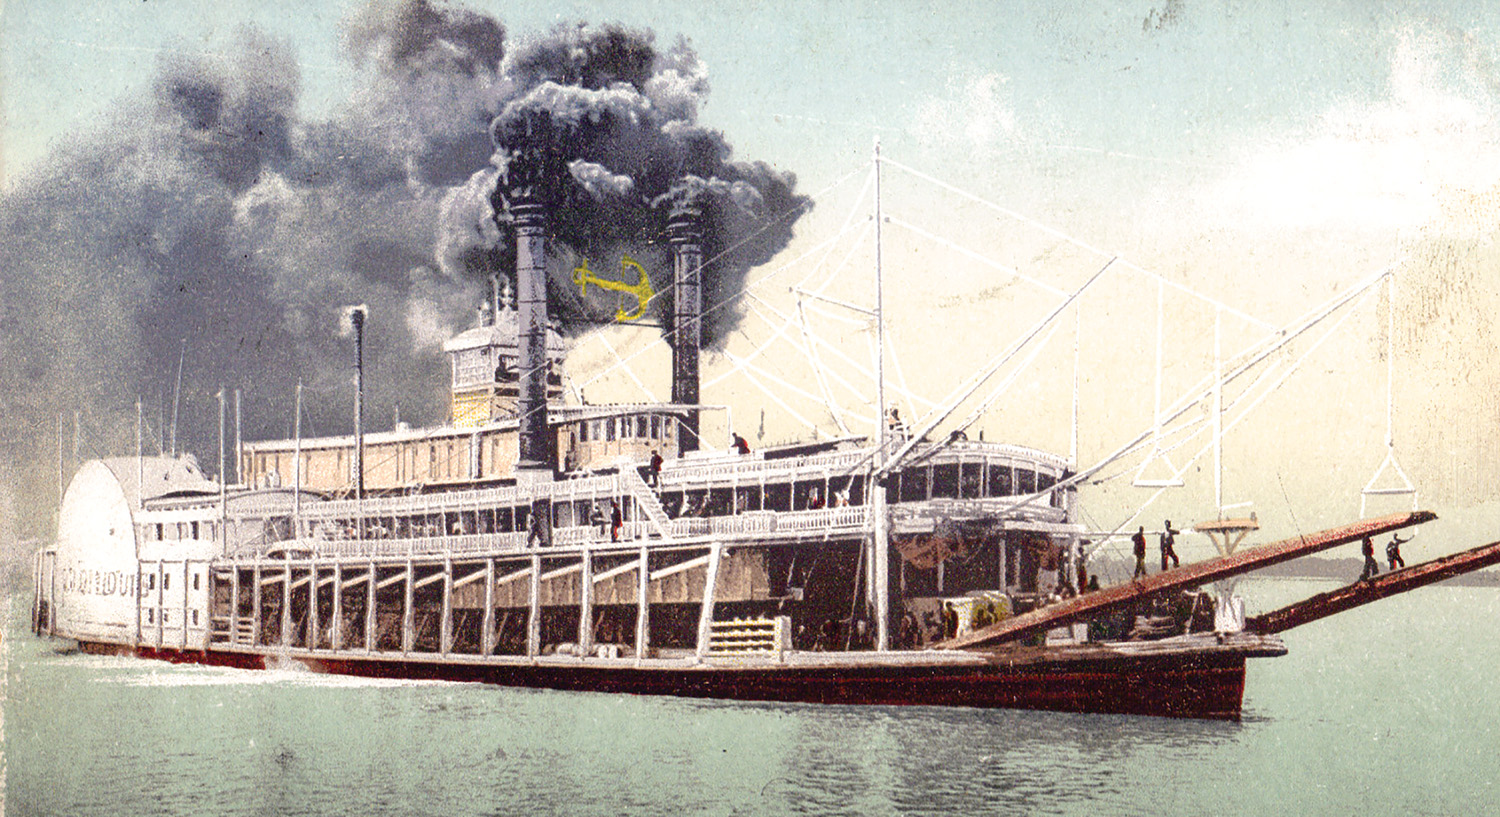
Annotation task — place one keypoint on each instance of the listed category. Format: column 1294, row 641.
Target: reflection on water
column 1369, row 713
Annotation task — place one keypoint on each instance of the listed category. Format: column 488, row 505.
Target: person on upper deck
column 739, row 445
column 656, row 469
column 1139, row 540
column 615, row 521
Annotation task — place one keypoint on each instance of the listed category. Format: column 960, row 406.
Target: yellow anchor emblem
column 641, row 289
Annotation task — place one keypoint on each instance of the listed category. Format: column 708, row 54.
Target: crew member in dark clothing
column 655, row 469
column 1168, row 538
column 1140, row 552
column 615, row 521
column 740, row 446
column 1393, row 551
column 1372, row 569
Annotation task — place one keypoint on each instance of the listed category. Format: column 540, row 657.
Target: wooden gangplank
column 1388, row 584
column 1109, row 599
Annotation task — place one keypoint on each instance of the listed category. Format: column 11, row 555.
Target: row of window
column 151, row 616
column 173, row 531
column 625, row 427
column 166, row 581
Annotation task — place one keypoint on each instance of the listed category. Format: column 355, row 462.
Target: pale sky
column 1263, row 154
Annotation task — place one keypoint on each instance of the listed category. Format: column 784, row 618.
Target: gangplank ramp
column 1109, row 599
column 1360, row 593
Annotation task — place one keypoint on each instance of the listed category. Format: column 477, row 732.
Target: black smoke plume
column 205, row 221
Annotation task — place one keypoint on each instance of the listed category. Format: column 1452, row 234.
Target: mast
column 177, row 394
column 880, row 541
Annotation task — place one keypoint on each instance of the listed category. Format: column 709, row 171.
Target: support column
column 286, row 604
column 312, row 606
column 445, row 628
column 255, row 599
column 408, row 615
column 370, row 610
column 487, row 633
column 234, row 605
column 586, row 604
column 710, row 589
column 534, row 618
column 336, row 636
column 643, row 607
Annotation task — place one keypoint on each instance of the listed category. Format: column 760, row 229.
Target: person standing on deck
column 655, row 469
column 1168, row 538
column 1139, row 539
column 1372, row 569
column 1393, row 551
column 615, row 521
column 739, row 445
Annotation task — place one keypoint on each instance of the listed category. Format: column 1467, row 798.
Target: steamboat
column 534, row 542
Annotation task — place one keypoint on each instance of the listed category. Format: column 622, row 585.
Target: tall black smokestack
column 685, row 232
column 524, row 187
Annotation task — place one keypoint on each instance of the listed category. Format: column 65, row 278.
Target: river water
column 1389, row 709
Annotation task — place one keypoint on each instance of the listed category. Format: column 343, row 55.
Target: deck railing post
column 255, row 613
column 336, row 634
column 487, row 635
column 445, row 627
column 643, row 607
column 586, row 604
column 408, row 615
column 534, row 619
column 286, row 603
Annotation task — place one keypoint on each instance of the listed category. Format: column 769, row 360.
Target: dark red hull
column 1208, row 685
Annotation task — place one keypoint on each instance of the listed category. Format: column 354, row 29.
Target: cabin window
column 583, row 432
column 151, row 582
column 971, row 483
column 672, row 502
column 624, row 424
column 914, row 485
column 720, row 502
column 655, row 426
column 159, row 533
column 195, row 618
column 852, row 492
column 195, row 581
column 195, row 530
column 1000, row 480
column 1025, row 481
column 778, row 497
column 166, row 581
column 810, row 495
column 945, row 481
column 640, row 426
column 609, row 430
column 164, row 616
column 150, row 616
column 747, row 499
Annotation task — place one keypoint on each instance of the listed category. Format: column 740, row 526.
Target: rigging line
column 628, row 370
column 833, row 406
column 995, row 393
column 1245, row 413
column 958, row 248
column 835, row 316
column 1079, row 243
column 900, row 384
column 817, row 362
column 665, row 337
column 1275, row 342
column 776, row 398
column 747, row 365
column 990, row 369
column 854, row 211
column 860, row 393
